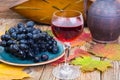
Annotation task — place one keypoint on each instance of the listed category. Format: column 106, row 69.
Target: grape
column 30, row 55
column 36, row 51
column 23, row 41
column 14, row 35
column 49, row 48
column 36, row 59
column 20, row 25
column 3, row 37
column 49, row 42
column 15, row 48
column 31, row 42
column 44, row 57
column 16, row 30
column 26, row 42
column 21, row 30
column 9, row 42
column 24, row 30
column 6, row 32
column 29, row 29
column 19, row 37
column 23, row 46
column 30, row 24
column 3, row 43
column 29, row 35
column 36, row 37
column 23, row 36
column 21, row 54
column 36, row 31
column 11, row 30
column 55, row 49
column 7, row 37
column 48, row 38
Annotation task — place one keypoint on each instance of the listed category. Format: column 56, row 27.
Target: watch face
column 42, row 10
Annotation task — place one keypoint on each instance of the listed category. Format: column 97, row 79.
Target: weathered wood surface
column 5, row 6
column 44, row 72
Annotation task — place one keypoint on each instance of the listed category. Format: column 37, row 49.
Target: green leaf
column 50, row 33
column 89, row 64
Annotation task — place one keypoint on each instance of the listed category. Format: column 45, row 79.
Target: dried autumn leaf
column 83, row 38
column 8, row 72
column 77, row 43
column 110, row 51
column 77, row 53
column 88, row 64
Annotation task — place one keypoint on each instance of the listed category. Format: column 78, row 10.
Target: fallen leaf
column 110, row 51
column 88, row 64
column 77, row 53
column 82, row 39
column 50, row 32
column 8, row 72
column 77, row 43
column 85, row 36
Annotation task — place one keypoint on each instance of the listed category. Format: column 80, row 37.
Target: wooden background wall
column 5, row 12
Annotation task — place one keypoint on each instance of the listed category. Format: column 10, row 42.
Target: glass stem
column 67, row 53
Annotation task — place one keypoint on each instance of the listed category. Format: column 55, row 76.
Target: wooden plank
column 113, row 73
column 47, row 73
column 5, row 12
column 35, row 72
column 9, row 14
column 10, row 22
column 11, row 3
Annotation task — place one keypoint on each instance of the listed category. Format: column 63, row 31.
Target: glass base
column 66, row 72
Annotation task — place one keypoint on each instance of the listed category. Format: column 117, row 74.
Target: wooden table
column 44, row 72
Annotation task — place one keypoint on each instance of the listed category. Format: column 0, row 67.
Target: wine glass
column 67, row 25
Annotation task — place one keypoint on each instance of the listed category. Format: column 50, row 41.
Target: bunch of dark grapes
column 26, row 42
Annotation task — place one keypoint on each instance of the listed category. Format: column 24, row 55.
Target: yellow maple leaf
column 89, row 64
column 8, row 72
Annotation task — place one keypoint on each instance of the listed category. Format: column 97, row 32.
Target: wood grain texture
column 5, row 6
column 5, row 12
column 45, row 72
column 113, row 73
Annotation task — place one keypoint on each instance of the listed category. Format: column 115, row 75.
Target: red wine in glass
column 67, row 25
column 67, row 32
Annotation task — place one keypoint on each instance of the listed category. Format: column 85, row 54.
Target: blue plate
column 12, row 60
